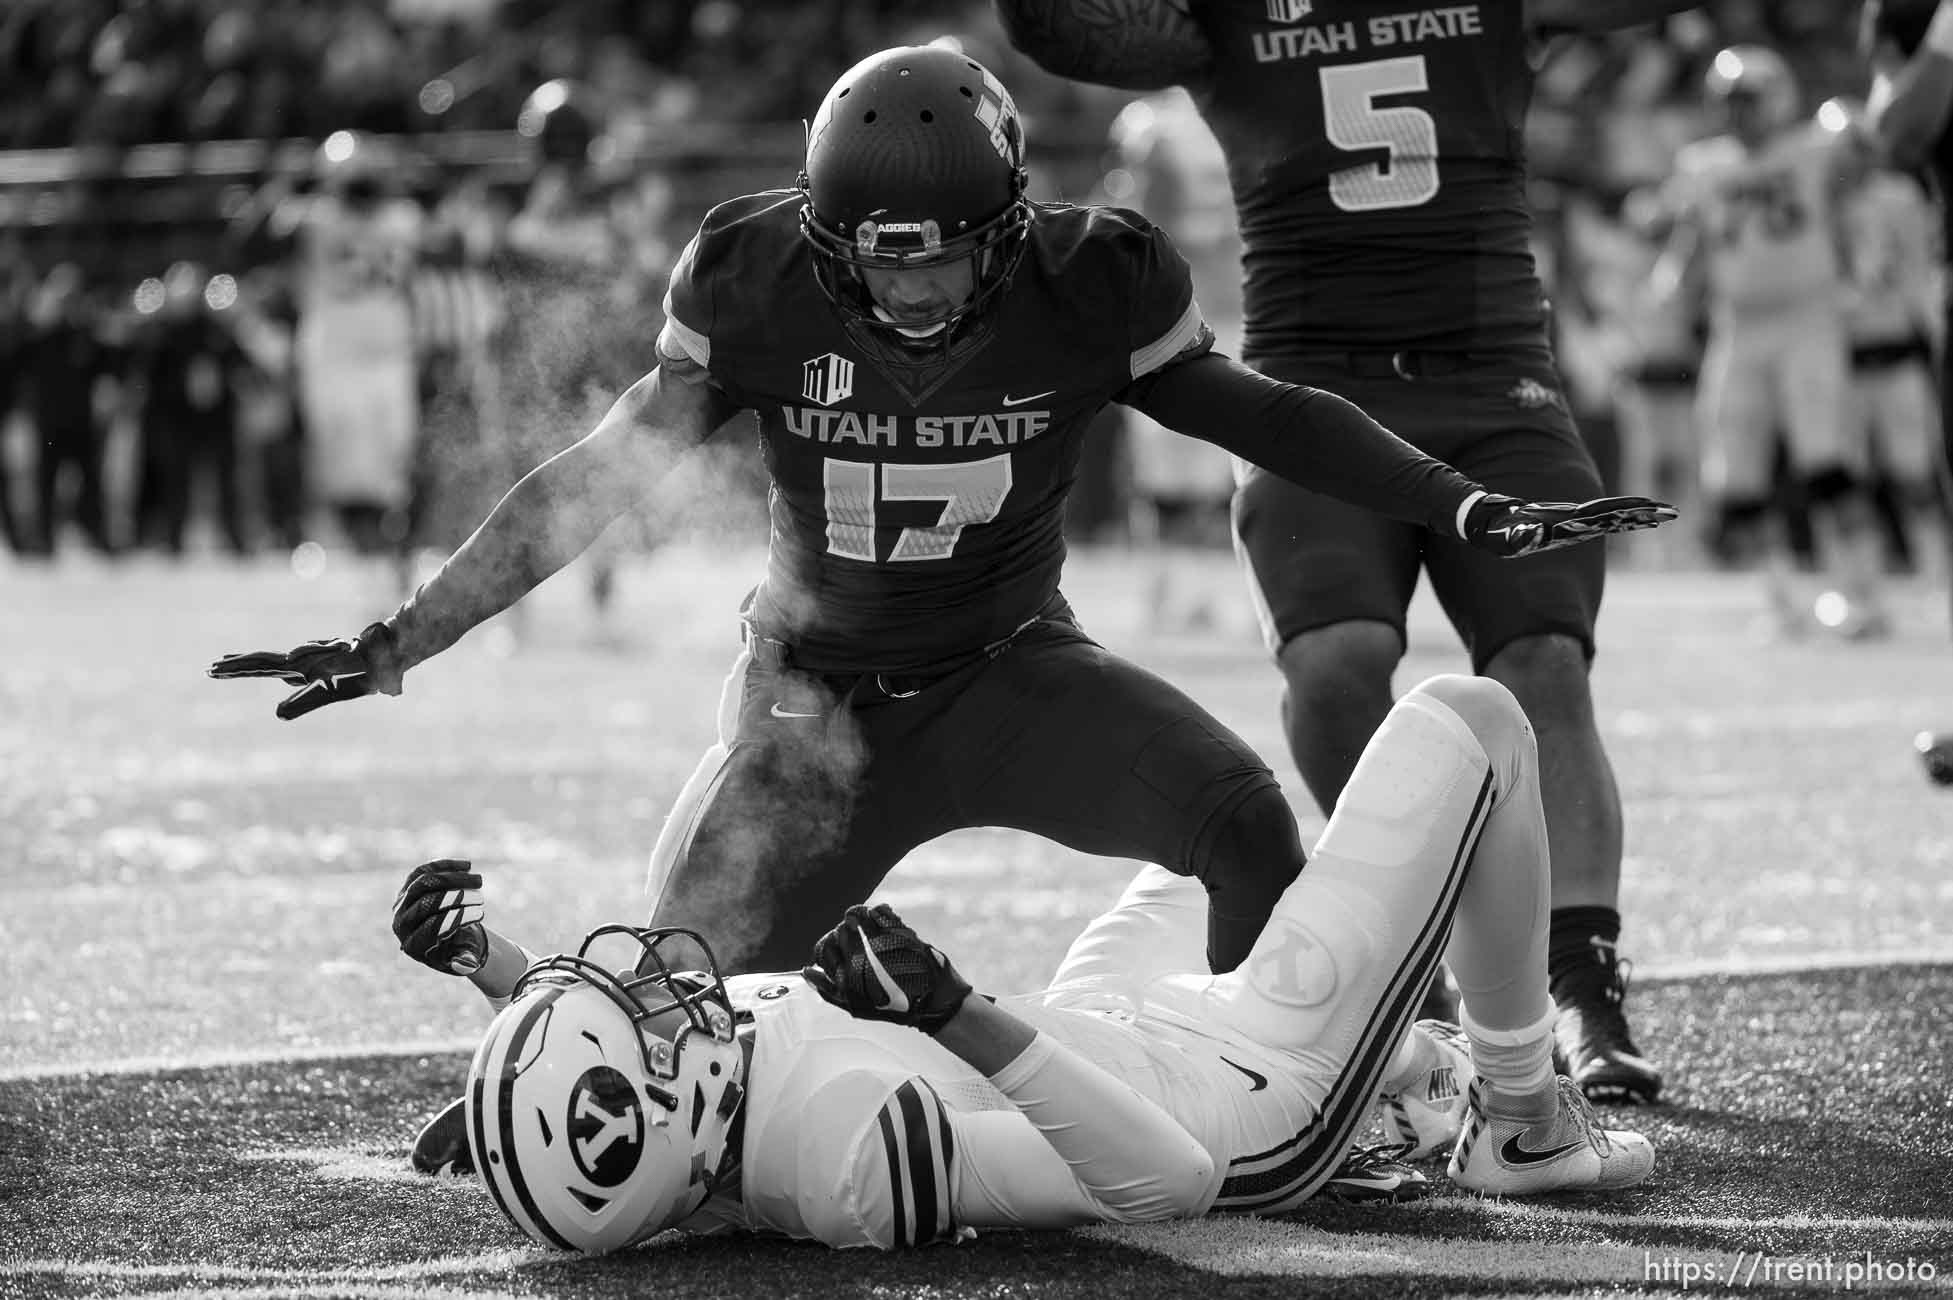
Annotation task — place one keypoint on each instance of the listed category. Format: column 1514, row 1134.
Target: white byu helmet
column 599, row 1104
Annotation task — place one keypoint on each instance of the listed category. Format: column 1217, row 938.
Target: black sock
column 1575, row 930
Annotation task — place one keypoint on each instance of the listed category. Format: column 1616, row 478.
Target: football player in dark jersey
column 1375, row 151
column 922, row 349
column 1911, row 44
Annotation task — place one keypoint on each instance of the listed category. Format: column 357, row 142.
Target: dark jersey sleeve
column 1310, row 437
column 1165, row 319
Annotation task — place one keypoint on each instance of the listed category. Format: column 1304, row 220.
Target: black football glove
column 437, row 917
column 325, row 672
column 1510, row 527
column 874, row 967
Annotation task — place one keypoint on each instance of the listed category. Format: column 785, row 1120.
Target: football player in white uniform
column 603, row 1109
column 1892, row 319
column 357, row 243
column 1759, row 219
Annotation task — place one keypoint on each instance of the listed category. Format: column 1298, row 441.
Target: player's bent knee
column 1420, row 772
column 1363, row 651
column 1250, row 852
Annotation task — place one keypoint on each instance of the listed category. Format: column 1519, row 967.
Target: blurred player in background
column 1892, row 319
column 64, row 359
column 578, row 315
column 1661, row 451
column 356, row 242
column 1135, row 1087
column 1760, row 222
column 1911, row 46
column 1165, row 163
column 1376, row 156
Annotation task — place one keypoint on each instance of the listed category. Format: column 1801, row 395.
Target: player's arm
column 1561, row 17
column 1131, row 44
column 1079, row 1147
column 547, row 519
column 1912, row 93
column 1322, row 442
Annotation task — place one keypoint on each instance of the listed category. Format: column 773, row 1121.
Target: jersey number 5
column 972, row 492
column 1352, row 121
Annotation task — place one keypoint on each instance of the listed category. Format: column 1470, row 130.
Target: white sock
column 1516, row 1063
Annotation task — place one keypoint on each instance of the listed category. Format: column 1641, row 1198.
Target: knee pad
column 1831, row 484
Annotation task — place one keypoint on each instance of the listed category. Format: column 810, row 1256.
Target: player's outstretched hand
column 874, row 967
column 325, row 672
column 438, row 917
column 1510, row 527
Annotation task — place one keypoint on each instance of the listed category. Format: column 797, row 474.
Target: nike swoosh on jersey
column 1513, row 1154
column 1256, row 1081
column 779, row 712
column 1019, row 401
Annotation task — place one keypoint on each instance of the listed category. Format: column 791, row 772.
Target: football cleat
column 442, row 1146
column 1425, row 1117
column 1568, row 1151
column 1371, row 1175
column 1591, row 1039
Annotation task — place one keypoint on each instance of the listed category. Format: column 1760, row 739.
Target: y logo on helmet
column 998, row 113
column 605, row 1126
column 827, row 379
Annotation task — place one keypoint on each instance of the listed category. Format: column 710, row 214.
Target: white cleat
column 1425, row 1117
column 1568, row 1151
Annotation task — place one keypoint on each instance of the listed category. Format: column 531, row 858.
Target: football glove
column 1509, row 527
column 874, row 967
column 437, row 917
column 325, row 672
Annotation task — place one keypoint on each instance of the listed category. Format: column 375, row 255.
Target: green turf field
column 212, row 1058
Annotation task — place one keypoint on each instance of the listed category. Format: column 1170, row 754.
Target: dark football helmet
column 915, row 158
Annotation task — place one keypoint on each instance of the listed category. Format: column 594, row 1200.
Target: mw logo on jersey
column 827, row 379
column 1289, row 11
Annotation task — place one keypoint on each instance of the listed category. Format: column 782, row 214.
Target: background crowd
column 533, row 168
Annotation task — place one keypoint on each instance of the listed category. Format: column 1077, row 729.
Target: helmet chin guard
column 600, row 1103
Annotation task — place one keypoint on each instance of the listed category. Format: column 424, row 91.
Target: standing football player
column 923, row 349
column 1760, row 210
column 1135, row 1087
column 1911, row 45
column 1376, row 154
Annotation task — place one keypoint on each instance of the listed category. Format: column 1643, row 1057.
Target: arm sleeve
column 1080, row 1142
column 1310, row 437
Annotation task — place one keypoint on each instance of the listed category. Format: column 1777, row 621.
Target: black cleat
column 442, row 1147
column 1591, row 1040
column 1936, row 752
column 1373, row 1175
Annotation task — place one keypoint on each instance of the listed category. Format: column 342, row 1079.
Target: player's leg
column 1061, row 737
column 1737, row 414
column 1830, row 451
column 1335, row 978
column 1907, row 419
column 1330, row 583
column 1529, row 625
column 802, row 808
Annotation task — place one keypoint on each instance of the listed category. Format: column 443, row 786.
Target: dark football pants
column 826, row 783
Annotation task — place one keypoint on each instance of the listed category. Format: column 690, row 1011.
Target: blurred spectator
column 191, row 369
column 16, row 287
column 65, row 361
